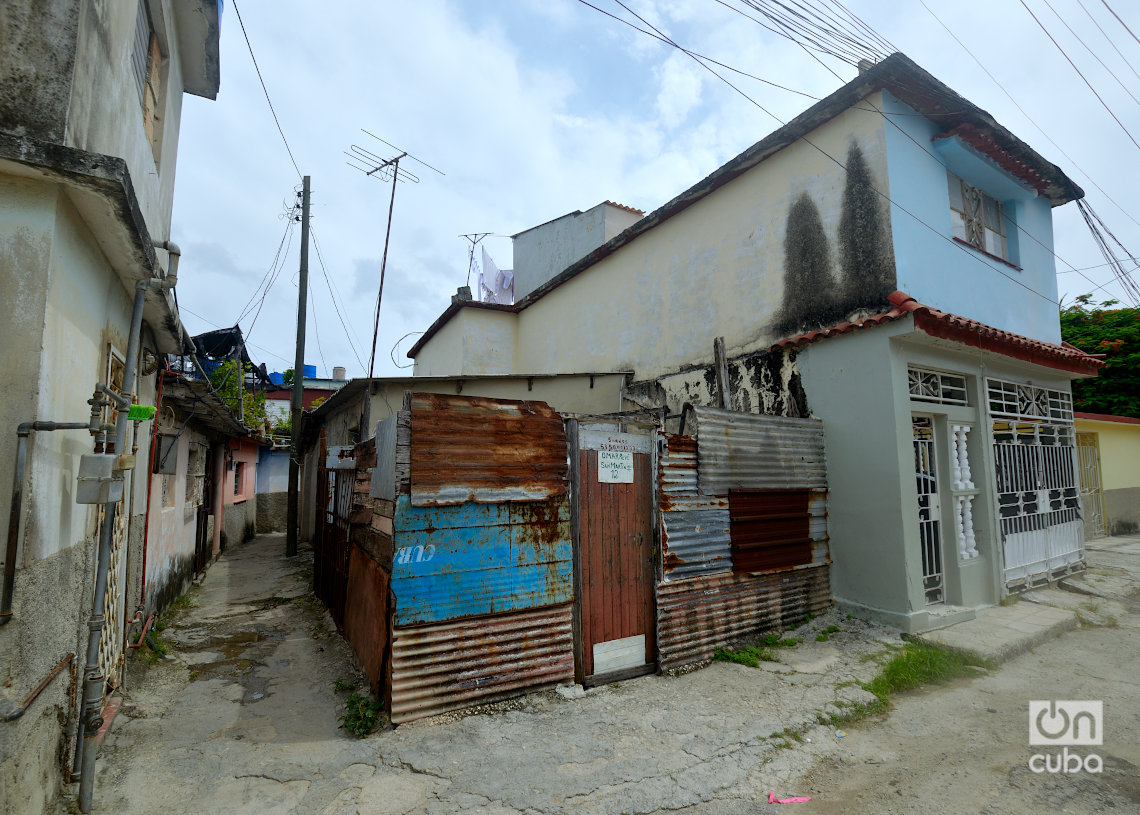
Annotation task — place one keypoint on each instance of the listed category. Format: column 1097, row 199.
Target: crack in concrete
column 270, row 778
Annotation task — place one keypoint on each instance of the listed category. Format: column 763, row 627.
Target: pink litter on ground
column 772, row 799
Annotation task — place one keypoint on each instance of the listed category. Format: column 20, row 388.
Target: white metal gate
column 1039, row 509
column 929, row 509
column 1092, row 494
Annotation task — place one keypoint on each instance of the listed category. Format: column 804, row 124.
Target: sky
column 531, row 109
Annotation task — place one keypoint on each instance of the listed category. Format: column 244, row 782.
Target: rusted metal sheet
column 747, row 451
column 699, row 615
column 771, row 529
column 696, row 541
column 694, row 528
column 366, row 617
column 475, row 559
column 484, row 450
column 454, row 665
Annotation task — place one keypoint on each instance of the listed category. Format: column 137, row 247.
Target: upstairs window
column 146, row 64
column 977, row 218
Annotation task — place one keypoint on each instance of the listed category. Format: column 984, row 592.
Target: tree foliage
column 227, row 381
column 1102, row 328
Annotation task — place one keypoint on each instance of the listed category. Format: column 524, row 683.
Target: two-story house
column 884, row 262
column 89, row 121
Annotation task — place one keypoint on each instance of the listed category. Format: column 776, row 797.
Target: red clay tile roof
column 623, row 206
column 948, row 326
column 1105, row 417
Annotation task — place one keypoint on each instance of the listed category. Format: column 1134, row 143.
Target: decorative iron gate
column 1092, row 494
column 929, row 509
column 1039, row 507
column 330, row 551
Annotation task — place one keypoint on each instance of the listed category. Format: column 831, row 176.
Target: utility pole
column 293, row 517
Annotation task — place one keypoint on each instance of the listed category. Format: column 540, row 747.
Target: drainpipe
column 90, row 720
column 149, row 484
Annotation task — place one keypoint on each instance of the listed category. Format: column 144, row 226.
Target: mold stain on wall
column 813, row 297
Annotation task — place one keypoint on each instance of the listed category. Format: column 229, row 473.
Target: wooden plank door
column 616, row 555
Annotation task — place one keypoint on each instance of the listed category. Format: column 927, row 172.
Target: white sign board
column 615, row 467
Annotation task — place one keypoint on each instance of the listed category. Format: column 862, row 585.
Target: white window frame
column 977, row 218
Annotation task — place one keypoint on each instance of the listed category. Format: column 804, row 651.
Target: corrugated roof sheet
column 485, row 450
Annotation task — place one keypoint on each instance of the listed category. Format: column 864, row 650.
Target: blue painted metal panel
column 470, row 559
column 420, row 553
column 451, row 516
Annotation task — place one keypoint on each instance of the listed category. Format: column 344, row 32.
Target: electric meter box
column 97, row 481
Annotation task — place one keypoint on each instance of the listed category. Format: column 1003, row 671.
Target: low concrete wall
column 239, row 523
column 51, row 604
column 272, row 511
column 1122, row 511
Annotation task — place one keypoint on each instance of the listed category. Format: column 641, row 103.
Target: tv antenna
column 376, row 166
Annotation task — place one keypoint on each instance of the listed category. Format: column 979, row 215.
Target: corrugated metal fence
column 744, row 530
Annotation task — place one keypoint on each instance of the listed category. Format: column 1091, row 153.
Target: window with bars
column 1016, row 401
column 239, row 477
column 934, row 386
column 977, row 218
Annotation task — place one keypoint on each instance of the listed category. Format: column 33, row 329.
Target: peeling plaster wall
column 766, row 383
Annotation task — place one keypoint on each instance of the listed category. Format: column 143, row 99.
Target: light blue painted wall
column 272, row 470
column 940, row 272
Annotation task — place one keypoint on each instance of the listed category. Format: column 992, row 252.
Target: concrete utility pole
column 293, row 517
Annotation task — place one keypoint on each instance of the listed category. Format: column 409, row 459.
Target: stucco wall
column 850, row 383
column 36, row 66
column 544, row 251
column 244, row 452
column 1119, row 444
column 173, row 526
column 476, row 341
column 105, row 113
column 947, row 275
column 272, row 470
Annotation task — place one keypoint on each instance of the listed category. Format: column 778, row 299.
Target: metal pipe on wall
column 90, row 720
column 22, row 432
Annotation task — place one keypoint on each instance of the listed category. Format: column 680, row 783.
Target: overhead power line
column 264, row 89
column 840, row 164
column 1104, row 104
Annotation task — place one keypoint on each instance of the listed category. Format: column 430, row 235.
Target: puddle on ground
column 256, row 688
column 234, row 664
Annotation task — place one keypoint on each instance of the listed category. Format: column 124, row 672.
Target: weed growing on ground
column 774, row 641
column 921, row 663
column 362, row 715
column 749, row 655
column 917, row 663
column 156, row 648
column 1090, row 606
column 183, row 602
column 1009, row 600
column 1112, row 621
column 341, row 686
column 825, row 634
